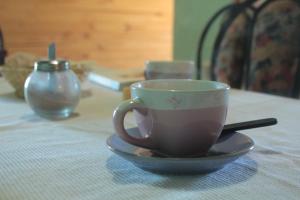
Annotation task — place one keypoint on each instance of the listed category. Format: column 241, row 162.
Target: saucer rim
column 191, row 159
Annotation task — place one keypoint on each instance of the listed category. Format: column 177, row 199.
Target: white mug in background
column 170, row 70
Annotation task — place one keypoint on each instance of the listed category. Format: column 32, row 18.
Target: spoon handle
column 249, row 124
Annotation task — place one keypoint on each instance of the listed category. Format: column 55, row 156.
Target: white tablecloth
column 41, row 159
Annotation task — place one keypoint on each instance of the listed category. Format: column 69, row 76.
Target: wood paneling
column 115, row 33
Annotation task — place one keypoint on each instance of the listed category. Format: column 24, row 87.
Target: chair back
column 257, row 47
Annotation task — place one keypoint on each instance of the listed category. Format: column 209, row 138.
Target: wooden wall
column 115, row 33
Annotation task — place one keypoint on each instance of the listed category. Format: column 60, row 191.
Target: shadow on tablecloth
column 233, row 173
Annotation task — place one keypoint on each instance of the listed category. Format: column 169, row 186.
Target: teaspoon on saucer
column 230, row 128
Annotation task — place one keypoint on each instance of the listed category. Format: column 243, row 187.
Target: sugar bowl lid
column 52, row 64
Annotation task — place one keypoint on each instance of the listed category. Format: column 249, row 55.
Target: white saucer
column 227, row 149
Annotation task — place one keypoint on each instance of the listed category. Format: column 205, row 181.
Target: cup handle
column 118, row 121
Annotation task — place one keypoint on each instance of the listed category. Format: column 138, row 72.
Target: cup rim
column 137, row 85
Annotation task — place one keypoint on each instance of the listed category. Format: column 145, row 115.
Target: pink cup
column 176, row 117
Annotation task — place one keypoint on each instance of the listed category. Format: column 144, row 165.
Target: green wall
column 190, row 19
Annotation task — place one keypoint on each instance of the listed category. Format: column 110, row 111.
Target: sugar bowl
column 52, row 90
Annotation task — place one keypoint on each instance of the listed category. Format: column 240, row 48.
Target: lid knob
column 51, row 64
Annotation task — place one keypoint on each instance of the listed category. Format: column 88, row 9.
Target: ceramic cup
column 179, row 117
column 170, row 70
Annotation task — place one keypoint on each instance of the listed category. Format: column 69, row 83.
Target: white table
column 41, row 159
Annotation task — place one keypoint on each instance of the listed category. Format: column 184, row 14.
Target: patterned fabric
column 274, row 51
column 230, row 61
